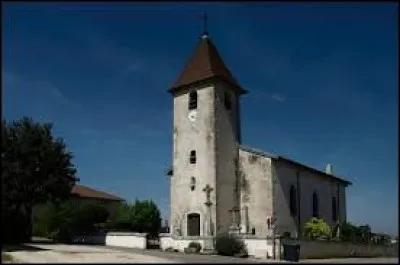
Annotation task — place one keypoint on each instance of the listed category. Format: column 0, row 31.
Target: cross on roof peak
column 205, row 25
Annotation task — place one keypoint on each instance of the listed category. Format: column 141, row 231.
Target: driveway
column 59, row 253
column 187, row 258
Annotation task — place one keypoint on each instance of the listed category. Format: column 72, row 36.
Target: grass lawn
column 6, row 257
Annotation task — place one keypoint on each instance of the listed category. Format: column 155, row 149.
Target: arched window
column 227, row 100
column 193, row 100
column 193, row 224
column 293, row 201
column 193, row 157
column 334, row 209
column 315, row 205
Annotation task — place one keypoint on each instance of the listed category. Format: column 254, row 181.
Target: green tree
column 62, row 222
column 147, row 217
column 36, row 168
column 122, row 218
column 317, row 229
column 364, row 234
column 88, row 216
column 141, row 216
column 347, row 232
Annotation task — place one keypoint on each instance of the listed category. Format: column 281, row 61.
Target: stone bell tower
column 206, row 134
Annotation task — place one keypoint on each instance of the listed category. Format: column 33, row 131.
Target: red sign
column 270, row 221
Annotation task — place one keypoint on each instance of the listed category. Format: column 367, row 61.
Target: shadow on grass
column 6, row 257
column 21, row 247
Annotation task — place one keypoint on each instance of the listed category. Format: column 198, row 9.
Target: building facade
column 216, row 184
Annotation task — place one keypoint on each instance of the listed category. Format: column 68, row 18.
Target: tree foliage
column 141, row 216
column 356, row 234
column 317, row 228
column 62, row 222
column 36, row 168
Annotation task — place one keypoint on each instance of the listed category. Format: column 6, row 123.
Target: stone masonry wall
column 256, row 192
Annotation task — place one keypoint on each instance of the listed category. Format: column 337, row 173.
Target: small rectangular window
column 334, row 209
column 193, row 157
column 192, row 100
column 228, row 104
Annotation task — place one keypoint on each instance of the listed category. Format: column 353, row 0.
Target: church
column 217, row 184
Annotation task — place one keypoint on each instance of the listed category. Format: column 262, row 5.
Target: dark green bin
column 291, row 252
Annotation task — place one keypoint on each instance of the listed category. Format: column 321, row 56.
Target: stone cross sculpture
column 207, row 189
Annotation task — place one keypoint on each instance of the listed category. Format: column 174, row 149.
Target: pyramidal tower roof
column 205, row 65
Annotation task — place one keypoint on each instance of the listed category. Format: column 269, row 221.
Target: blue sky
column 323, row 82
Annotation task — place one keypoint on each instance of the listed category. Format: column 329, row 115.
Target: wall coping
column 125, row 234
column 330, row 242
column 256, row 237
column 213, row 237
column 193, row 237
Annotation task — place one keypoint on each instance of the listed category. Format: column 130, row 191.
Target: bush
column 195, row 245
column 317, row 229
column 228, row 245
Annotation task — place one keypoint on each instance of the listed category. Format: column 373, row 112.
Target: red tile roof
column 205, row 63
column 86, row 192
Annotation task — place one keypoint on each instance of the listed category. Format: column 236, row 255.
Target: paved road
column 59, row 253
column 195, row 258
column 187, row 258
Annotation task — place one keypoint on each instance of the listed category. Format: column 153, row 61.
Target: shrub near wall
column 346, row 240
column 325, row 249
column 317, row 228
column 228, row 245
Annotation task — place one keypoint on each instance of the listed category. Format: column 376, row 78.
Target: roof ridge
column 80, row 189
column 218, row 60
column 205, row 63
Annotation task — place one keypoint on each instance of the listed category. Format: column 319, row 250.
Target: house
column 85, row 195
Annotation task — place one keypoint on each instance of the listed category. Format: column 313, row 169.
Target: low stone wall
column 119, row 239
column 323, row 249
column 263, row 247
column 180, row 243
column 260, row 247
column 166, row 241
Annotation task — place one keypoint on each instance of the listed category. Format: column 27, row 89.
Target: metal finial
column 205, row 25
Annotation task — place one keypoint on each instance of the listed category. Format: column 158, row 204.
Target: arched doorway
column 193, row 224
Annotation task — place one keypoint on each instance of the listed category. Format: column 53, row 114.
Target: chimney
column 328, row 169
